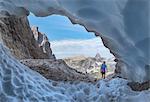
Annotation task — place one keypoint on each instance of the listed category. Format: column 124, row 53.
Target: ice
column 18, row 83
column 122, row 24
column 124, row 28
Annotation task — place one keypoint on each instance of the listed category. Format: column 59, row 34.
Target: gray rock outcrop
column 43, row 42
column 15, row 33
column 56, row 70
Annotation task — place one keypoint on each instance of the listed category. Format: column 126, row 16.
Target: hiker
column 103, row 69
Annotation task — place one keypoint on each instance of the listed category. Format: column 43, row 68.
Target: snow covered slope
column 18, row 83
column 122, row 24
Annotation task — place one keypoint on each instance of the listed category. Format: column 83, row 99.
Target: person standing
column 103, row 69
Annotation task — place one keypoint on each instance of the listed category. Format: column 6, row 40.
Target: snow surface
column 18, row 83
column 123, row 24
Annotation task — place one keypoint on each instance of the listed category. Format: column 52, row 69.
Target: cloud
column 90, row 47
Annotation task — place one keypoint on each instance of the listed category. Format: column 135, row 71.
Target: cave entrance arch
column 74, row 44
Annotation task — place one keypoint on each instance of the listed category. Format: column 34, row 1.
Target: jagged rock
column 56, row 70
column 17, row 36
column 42, row 41
column 98, row 57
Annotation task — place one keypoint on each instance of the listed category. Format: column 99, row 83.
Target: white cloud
column 68, row 48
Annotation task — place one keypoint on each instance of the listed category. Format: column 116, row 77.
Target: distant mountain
column 98, row 57
column 89, row 64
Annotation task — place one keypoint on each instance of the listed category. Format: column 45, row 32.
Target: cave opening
column 80, row 49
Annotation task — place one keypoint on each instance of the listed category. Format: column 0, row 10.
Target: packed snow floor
column 18, row 83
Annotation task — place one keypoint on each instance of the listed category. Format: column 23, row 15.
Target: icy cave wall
column 122, row 24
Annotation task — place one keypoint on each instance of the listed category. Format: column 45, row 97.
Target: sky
column 59, row 28
column 84, row 47
column 69, row 40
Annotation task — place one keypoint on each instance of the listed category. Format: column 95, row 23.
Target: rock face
column 56, row 70
column 43, row 42
column 16, row 34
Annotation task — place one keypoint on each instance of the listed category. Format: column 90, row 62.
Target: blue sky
column 69, row 40
column 59, row 28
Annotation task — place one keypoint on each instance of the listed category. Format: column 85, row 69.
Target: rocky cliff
column 43, row 42
column 15, row 33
